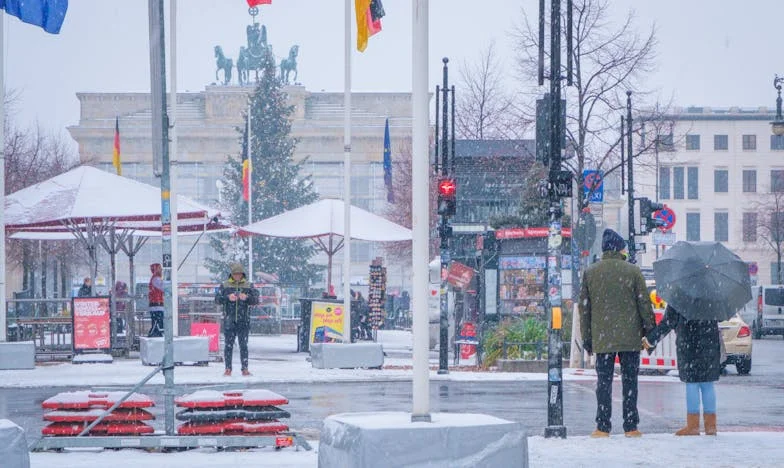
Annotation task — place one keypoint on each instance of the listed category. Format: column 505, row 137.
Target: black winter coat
column 236, row 311
column 697, row 343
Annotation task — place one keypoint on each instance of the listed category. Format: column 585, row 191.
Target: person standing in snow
column 615, row 313
column 236, row 294
column 698, row 347
column 155, row 300
column 86, row 289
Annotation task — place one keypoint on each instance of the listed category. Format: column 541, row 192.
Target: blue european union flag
column 48, row 14
column 388, row 165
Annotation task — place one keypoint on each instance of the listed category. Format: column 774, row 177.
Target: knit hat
column 237, row 268
column 612, row 241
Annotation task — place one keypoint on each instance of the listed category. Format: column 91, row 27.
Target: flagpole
column 347, row 178
column 3, row 324
column 250, row 193
column 173, row 169
column 420, row 211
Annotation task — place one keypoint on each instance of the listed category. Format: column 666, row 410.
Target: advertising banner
column 209, row 329
column 326, row 322
column 91, row 324
column 459, row 275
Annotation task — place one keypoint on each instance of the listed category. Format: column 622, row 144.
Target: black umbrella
column 703, row 280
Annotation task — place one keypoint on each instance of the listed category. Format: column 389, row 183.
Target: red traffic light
column 447, row 187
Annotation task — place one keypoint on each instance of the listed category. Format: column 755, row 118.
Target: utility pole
column 630, row 190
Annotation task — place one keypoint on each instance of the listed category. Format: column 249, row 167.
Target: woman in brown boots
column 698, row 349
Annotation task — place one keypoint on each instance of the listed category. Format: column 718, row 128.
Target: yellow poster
column 326, row 322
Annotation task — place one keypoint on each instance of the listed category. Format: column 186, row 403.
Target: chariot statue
column 253, row 56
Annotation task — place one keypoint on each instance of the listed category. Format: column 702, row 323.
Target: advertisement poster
column 91, row 323
column 326, row 322
column 210, row 330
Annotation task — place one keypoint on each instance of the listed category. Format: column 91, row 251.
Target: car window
column 774, row 297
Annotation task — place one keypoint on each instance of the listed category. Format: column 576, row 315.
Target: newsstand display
column 377, row 294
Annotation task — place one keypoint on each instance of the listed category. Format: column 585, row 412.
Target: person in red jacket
column 155, row 298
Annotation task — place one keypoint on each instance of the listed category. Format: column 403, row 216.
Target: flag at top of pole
column 253, row 3
column 116, row 152
column 388, row 165
column 369, row 14
column 48, row 14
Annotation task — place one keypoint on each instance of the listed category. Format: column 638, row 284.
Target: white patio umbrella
column 322, row 222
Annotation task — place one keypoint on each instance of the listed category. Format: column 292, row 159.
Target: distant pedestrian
column 615, row 313
column 236, row 295
column 120, row 293
column 86, row 290
column 698, row 346
column 155, row 300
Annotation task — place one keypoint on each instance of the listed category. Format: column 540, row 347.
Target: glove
column 588, row 346
column 647, row 346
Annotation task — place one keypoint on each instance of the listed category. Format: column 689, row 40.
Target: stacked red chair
column 69, row 413
column 234, row 412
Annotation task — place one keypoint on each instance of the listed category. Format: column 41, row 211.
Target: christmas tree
column 276, row 185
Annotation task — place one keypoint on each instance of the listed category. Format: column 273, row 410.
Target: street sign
column 561, row 184
column 667, row 216
column 663, row 238
column 593, row 185
column 639, row 247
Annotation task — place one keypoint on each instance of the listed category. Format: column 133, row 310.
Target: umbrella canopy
column 703, row 280
column 322, row 222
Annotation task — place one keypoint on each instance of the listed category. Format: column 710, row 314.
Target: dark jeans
column 630, row 367
column 156, row 323
column 239, row 330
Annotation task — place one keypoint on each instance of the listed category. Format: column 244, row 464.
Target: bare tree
column 609, row 59
column 769, row 226
column 485, row 110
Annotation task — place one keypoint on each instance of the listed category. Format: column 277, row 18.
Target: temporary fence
column 663, row 357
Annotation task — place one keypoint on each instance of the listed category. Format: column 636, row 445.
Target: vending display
column 377, row 294
column 521, row 285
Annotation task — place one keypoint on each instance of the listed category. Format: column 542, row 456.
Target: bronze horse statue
column 289, row 64
column 223, row 63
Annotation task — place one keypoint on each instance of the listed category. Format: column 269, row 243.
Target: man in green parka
column 235, row 295
column 615, row 313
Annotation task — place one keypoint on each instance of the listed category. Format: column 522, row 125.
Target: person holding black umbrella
column 703, row 283
column 615, row 313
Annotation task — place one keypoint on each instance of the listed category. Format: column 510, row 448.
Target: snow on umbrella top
column 87, row 193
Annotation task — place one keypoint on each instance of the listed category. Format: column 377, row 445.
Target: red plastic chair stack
column 71, row 412
column 234, row 412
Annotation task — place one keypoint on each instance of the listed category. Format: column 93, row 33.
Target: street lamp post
column 777, row 126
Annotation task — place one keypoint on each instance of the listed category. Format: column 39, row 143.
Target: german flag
column 246, row 179
column 116, row 152
column 369, row 14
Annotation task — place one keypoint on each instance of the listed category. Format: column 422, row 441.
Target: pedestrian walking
column 615, row 313
column 86, row 290
column 698, row 349
column 155, row 300
column 236, row 294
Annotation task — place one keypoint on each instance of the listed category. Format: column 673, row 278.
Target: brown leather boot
column 692, row 426
column 710, row 423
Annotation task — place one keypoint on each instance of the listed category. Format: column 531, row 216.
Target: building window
column 721, row 227
column 749, row 142
column 750, row 227
column 664, row 183
column 677, row 183
column 692, row 142
column 693, row 227
column 749, row 181
column 777, row 180
column 694, row 189
column 720, row 142
column 720, row 181
column 777, row 142
column 665, row 143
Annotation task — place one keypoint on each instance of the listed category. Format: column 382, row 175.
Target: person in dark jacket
column 236, row 294
column 615, row 313
column 698, row 350
column 86, row 289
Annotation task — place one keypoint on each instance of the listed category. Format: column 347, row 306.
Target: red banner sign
column 523, row 233
column 92, row 323
column 459, row 275
column 210, row 330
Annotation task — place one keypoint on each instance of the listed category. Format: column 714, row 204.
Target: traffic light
column 447, row 196
column 647, row 210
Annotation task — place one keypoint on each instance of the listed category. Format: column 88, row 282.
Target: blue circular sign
column 667, row 216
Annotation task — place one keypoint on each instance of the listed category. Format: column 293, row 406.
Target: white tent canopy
column 322, row 222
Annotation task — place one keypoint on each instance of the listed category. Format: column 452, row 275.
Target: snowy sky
column 711, row 52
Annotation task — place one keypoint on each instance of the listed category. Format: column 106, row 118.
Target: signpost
column 667, row 216
column 593, row 185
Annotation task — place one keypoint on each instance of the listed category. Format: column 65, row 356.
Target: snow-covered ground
column 276, row 361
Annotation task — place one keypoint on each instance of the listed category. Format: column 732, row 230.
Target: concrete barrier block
column 13, row 445
column 17, row 355
column 390, row 439
column 346, row 355
column 187, row 349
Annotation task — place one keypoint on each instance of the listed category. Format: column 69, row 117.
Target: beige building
column 207, row 125
column 720, row 171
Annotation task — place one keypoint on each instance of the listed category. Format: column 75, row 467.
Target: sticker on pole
column 593, row 186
